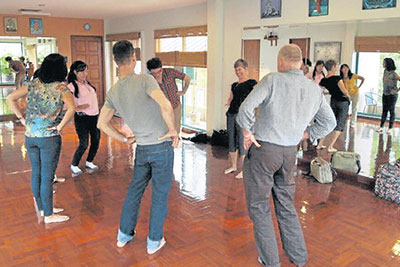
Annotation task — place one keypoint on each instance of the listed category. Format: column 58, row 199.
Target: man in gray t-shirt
column 140, row 102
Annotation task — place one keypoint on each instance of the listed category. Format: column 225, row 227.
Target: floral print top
column 44, row 108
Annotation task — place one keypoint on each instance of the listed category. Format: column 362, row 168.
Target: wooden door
column 251, row 53
column 90, row 50
column 304, row 44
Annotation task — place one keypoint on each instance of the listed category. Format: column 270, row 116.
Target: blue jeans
column 44, row 153
column 151, row 162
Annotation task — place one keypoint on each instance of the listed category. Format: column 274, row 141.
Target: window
column 113, row 72
column 369, row 65
column 194, row 102
column 171, row 44
column 196, row 43
column 14, row 50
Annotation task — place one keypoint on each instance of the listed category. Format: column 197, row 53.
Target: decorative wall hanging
column 271, row 8
column 327, row 51
column 36, row 26
column 10, row 25
column 318, row 8
column 374, row 4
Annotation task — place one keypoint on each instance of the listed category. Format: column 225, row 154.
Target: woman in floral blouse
column 44, row 121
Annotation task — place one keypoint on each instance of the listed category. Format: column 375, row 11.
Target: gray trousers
column 235, row 134
column 269, row 169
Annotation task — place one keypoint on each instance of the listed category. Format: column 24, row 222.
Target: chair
column 370, row 101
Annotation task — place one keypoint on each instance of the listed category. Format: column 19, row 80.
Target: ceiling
column 96, row 9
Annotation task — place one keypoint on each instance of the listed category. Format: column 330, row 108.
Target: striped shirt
column 169, row 87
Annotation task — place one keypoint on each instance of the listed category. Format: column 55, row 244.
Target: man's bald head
column 289, row 57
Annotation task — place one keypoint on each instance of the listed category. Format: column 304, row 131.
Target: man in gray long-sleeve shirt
column 287, row 101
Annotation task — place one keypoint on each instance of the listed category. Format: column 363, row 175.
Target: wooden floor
column 207, row 225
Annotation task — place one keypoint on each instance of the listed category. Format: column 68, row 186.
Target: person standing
column 166, row 80
column 86, row 115
column 318, row 73
column 19, row 69
column 287, row 101
column 306, row 65
column 239, row 91
column 390, row 94
column 350, row 82
column 44, row 121
column 140, row 102
column 340, row 102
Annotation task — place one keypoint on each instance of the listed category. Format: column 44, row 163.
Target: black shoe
column 261, row 261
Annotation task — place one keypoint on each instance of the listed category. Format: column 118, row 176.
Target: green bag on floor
column 347, row 161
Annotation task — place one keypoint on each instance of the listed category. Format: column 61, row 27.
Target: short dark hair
column 123, row 51
column 8, row 59
column 154, row 63
column 53, row 69
column 22, row 58
column 307, row 62
column 389, row 63
column 330, row 64
column 240, row 63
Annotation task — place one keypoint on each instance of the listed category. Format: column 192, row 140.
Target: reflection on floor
column 375, row 149
column 207, row 225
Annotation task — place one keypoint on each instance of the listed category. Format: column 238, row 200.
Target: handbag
column 387, row 184
column 347, row 161
column 321, row 170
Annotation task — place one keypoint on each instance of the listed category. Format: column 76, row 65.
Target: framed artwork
column 10, row 25
column 36, row 26
column 327, row 50
column 374, row 4
column 318, row 8
column 271, row 8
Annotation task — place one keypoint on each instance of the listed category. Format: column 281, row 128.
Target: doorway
column 251, row 53
column 90, row 50
column 304, row 44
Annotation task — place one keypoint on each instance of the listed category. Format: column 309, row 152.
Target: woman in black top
column 340, row 101
column 239, row 92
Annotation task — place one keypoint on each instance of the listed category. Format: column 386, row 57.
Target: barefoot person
column 239, row 91
column 287, row 101
column 140, row 102
column 340, row 102
column 44, row 121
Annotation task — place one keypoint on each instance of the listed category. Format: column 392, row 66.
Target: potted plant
column 5, row 70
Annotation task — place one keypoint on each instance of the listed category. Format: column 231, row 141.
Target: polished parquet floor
column 207, row 225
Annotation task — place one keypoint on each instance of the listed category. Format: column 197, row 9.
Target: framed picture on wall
column 374, row 4
column 10, row 25
column 327, row 50
column 318, row 8
column 271, row 8
column 36, row 26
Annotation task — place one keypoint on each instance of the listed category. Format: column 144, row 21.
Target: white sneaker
column 151, row 250
column 390, row 131
column 91, row 166
column 75, row 169
column 58, row 179
column 380, row 130
column 55, row 218
column 55, row 211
